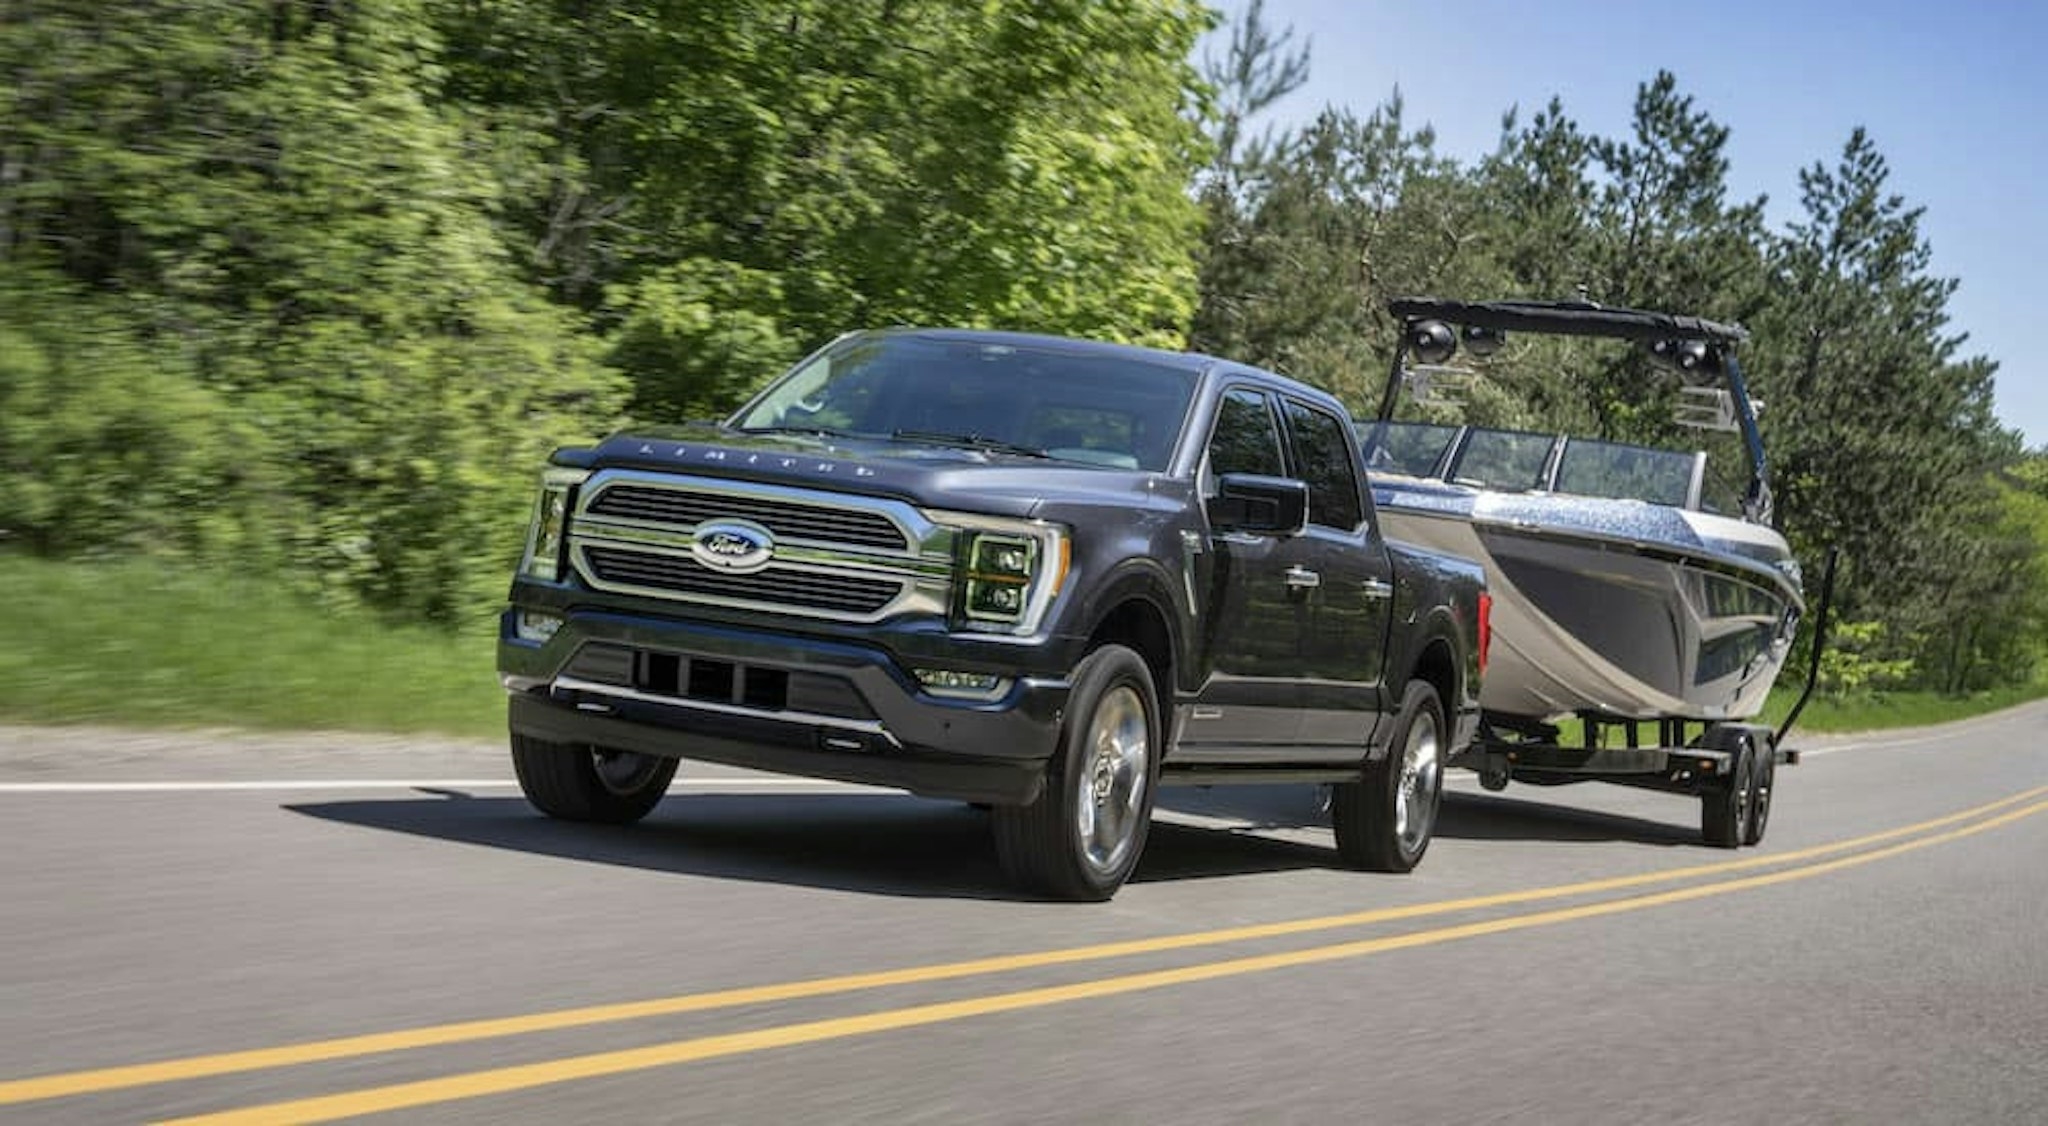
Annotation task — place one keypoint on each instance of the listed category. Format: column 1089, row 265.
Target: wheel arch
column 1436, row 663
column 1138, row 622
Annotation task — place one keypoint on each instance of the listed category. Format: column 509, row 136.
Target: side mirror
column 1267, row 506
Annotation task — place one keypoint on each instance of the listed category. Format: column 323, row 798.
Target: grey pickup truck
column 1041, row 575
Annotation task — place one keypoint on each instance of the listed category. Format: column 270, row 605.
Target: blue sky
column 1955, row 96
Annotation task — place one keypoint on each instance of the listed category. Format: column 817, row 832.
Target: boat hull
column 1613, row 608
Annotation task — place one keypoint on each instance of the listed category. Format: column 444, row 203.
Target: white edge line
column 1991, row 721
column 1880, row 744
column 394, row 784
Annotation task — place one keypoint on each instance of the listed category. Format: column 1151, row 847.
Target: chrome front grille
column 789, row 520
column 777, row 586
column 845, row 557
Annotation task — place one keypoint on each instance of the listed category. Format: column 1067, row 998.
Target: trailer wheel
column 1725, row 810
column 1760, row 795
column 1384, row 820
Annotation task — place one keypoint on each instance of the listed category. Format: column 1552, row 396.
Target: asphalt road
column 300, row 928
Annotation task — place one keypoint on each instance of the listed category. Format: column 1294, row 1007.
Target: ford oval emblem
column 732, row 546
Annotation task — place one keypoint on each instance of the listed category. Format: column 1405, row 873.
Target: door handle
column 1301, row 578
column 1378, row 588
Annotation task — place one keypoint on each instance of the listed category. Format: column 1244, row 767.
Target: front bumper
column 776, row 702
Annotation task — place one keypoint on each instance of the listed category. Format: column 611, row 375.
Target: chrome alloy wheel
column 623, row 772
column 1421, row 781
column 1109, row 794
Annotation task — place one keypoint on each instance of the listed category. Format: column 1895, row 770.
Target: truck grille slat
column 808, row 589
column 786, row 519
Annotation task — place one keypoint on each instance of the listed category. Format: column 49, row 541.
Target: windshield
column 1413, row 448
column 1503, row 459
column 1520, row 461
column 1078, row 404
column 1625, row 472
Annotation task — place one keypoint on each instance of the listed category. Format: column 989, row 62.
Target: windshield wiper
column 814, row 431
column 971, row 441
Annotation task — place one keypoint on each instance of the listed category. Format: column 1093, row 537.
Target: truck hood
column 921, row 473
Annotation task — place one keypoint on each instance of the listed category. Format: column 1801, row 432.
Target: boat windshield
column 1623, row 472
column 1089, row 406
column 1502, row 459
column 1532, row 461
column 1414, row 448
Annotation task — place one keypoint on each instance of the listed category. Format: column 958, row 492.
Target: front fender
column 1140, row 580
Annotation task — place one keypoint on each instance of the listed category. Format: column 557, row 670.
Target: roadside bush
column 1850, row 665
column 107, row 442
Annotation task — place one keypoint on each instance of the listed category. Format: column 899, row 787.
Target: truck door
column 1251, row 635
column 1350, row 604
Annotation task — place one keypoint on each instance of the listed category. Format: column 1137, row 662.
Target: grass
column 1877, row 712
column 141, row 644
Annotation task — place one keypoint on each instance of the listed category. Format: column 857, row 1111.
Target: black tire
column 1725, row 809
column 578, row 782
column 1384, row 821
column 1106, row 765
column 1760, row 795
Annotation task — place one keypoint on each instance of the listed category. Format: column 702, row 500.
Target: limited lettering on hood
column 764, row 460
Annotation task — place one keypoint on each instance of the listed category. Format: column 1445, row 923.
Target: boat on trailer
column 1636, row 588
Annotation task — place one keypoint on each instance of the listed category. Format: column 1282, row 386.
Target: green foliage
column 1884, row 436
column 1310, row 241
column 155, row 643
column 698, row 335
column 107, row 444
column 1894, row 709
column 805, row 168
column 301, row 276
column 1852, row 664
column 320, row 285
column 1880, row 427
column 317, row 286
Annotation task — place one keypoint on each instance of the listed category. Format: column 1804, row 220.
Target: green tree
column 1539, row 179
column 270, row 198
column 1318, row 234
column 726, row 184
column 1884, row 435
column 1665, row 236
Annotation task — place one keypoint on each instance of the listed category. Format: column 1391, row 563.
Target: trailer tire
column 1760, row 795
column 1725, row 810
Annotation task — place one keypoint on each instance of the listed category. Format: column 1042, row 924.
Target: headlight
column 550, row 523
column 1008, row 571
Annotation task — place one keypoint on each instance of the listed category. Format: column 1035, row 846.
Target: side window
column 1326, row 464
column 1245, row 439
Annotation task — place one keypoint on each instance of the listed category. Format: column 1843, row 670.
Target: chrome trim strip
column 912, row 597
column 660, row 540
column 592, row 688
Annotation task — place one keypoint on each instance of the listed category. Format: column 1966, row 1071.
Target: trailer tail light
column 1485, row 627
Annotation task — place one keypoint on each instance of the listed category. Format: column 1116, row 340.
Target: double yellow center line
column 1794, row 865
